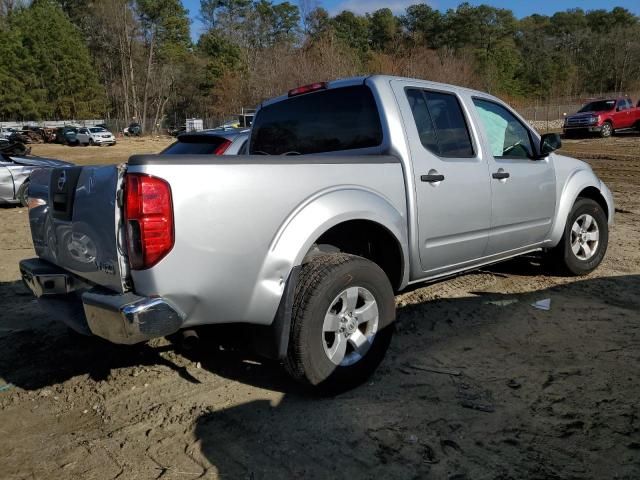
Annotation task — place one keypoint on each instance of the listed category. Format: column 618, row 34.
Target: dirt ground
column 478, row 384
column 118, row 153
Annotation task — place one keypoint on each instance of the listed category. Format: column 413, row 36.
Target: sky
column 521, row 8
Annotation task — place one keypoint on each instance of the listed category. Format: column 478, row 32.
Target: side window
column 441, row 124
column 507, row 136
column 622, row 105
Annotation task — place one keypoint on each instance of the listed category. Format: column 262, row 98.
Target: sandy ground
column 473, row 387
column 118, row 153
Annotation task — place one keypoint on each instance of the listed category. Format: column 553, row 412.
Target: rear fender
column 307, row 223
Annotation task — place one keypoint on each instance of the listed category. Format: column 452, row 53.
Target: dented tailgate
column 75, row 220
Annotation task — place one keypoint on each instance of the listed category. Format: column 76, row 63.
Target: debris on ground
column 501, row 303
column 544, row 304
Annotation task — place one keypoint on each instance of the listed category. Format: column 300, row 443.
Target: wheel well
column 369, row 240
column 594, row 194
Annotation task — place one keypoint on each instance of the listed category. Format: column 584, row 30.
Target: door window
column 622, row 105
column 507, row 136
column 441, row 124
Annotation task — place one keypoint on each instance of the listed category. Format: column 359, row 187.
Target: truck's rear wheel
column 342, row 322
column 607, row 130
column 585, row 239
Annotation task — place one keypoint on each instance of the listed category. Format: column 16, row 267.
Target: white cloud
column 364, row 6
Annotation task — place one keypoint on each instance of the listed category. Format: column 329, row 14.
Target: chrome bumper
column 120, row 318
column 43, row 278
column 129, row 318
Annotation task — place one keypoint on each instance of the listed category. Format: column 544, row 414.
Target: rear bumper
column 120, row 318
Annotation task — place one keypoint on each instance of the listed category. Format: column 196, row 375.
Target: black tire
column 321, row 281
column 23, row 193
column 562, row 257
column 91, row 142
column 607, row 130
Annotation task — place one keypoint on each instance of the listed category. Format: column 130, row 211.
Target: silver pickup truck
column 352, row 190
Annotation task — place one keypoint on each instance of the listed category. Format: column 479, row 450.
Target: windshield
column 599, row 106
column 325, row 121
column 97, row 130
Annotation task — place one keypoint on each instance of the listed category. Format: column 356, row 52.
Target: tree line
column 135, row 59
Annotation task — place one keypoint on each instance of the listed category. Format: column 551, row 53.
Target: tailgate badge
column 62, row 180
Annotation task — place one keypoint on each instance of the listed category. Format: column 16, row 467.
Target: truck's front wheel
column 342, row 322
column 607, row 130
column 585, row 240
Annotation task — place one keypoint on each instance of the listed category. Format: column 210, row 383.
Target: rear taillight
column 222, row 147
column 148, row 215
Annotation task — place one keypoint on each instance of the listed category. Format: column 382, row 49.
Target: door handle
column 500, row 175
column 432, row 178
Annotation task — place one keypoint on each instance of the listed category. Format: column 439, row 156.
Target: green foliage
column 166, row 23
column 222, row 55
column 352, row 30
column 46, row 67
column 426, row 25
column 144, row 62
column 14, row 101
column 273, row 23
column 383, row 29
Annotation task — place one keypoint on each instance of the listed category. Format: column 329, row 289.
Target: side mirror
column 550, row 142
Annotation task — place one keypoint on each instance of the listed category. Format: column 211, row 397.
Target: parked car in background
column 217, row 141
column 15, row 172
column 175, row 131
column 133, row 130
column 95, row 136
column 603, row 117
column 67, row 135
column 6, row 132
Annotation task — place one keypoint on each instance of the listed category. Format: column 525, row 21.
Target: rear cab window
column 332, row 120
column 441, row 124
column 195, row 145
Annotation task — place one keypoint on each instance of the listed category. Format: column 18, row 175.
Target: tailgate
column 75, row 221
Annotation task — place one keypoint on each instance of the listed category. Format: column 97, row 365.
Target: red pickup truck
column 603, row 117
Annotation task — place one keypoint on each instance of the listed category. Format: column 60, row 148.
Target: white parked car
column 95, row 136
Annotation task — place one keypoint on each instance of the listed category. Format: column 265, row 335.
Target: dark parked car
column 67, row 135
column 133, row 130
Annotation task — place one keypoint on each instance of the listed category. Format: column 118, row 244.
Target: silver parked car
column 352, row 190
column 14, row 176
